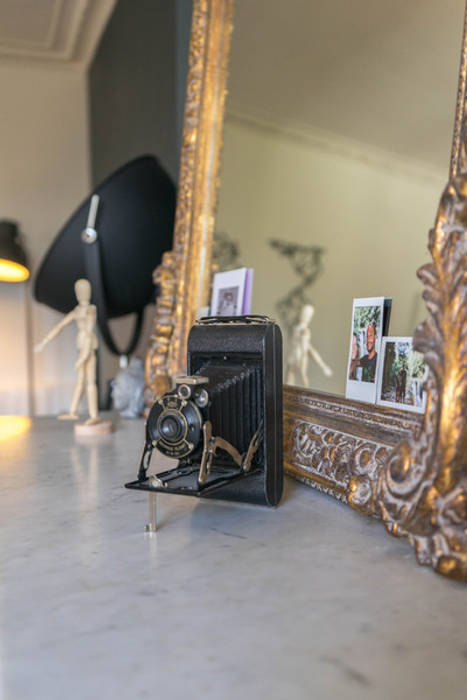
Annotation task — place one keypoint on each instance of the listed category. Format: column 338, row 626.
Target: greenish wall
column 370, row 210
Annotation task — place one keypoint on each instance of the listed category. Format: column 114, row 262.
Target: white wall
column 129, row 100
column 44, row 173
column 370, row 210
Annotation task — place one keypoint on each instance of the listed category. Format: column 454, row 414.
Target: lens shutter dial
column 174, row 425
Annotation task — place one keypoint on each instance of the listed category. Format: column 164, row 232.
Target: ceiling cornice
column 57, row 33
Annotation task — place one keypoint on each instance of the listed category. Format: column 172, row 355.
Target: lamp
column 13, row 263
column 14, row 268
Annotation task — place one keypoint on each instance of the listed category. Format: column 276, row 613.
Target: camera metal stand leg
column 211, row 444
column 152, row 525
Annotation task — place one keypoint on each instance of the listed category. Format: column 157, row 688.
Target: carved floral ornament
column 408, row 470
column 422, row 490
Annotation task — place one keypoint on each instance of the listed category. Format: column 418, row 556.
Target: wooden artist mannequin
column 85, row 316
column 302, row 350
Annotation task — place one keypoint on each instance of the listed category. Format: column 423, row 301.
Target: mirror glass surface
column 337, row 137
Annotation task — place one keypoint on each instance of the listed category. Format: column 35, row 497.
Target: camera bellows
column 235, row 409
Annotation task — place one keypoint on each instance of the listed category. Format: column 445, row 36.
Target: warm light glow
column 12, row 272
column 11, row 426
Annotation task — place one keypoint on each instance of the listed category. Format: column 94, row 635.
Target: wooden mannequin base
column 103, row 427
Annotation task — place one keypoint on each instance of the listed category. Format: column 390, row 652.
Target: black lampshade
column 13, row 261
column 135, row 226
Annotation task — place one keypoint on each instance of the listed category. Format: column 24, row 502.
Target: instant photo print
column 370, row 322
column 402, row 375
column 231, row 292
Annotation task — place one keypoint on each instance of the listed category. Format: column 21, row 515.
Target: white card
column 370, row 318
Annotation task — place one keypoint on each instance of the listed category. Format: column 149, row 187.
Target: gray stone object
column 128, row 389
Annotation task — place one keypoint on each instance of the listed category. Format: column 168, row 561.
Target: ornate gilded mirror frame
column 408, row 470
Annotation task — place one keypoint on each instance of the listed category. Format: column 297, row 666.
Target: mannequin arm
column 55, row 331
column 319, row 361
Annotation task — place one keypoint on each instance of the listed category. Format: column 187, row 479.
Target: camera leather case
column 223, row 421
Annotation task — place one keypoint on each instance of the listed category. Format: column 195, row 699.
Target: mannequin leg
column 290, row 373
column 78, row 392
column 304, row 372
column 76, row 398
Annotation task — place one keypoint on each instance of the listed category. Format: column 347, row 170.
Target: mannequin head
column 83, row 291
column 306, row 314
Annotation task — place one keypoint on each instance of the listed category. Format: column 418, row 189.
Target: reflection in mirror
column 137, row 85
column 337, row 138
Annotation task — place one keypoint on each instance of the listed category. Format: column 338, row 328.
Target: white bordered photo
column 401, row 376
column 370, row 320
column 231, row 292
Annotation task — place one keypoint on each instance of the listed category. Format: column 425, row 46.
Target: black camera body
column 223, row 421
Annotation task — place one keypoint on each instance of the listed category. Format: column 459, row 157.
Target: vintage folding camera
column 223, row 421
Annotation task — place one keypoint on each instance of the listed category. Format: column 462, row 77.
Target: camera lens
column 171, row 428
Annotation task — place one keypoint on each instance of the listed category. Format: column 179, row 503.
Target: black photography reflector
column 134, row 227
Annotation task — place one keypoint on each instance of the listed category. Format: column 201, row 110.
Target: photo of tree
column 403, row 374
column 364, row 315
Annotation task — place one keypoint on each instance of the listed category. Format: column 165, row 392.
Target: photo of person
column 227, row 302
column 354, row 357
column 369, row 320
column 403, row 373
column 366, row 323
column 368, row 361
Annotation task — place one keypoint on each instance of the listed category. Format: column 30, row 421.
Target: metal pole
column 152, row 525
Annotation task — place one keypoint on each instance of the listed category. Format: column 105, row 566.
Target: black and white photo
column 227, row 302
column 231, row 292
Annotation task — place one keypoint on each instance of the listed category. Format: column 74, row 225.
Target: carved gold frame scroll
column 408, row 470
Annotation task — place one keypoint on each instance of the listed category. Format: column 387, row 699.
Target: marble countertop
column 309, row 600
